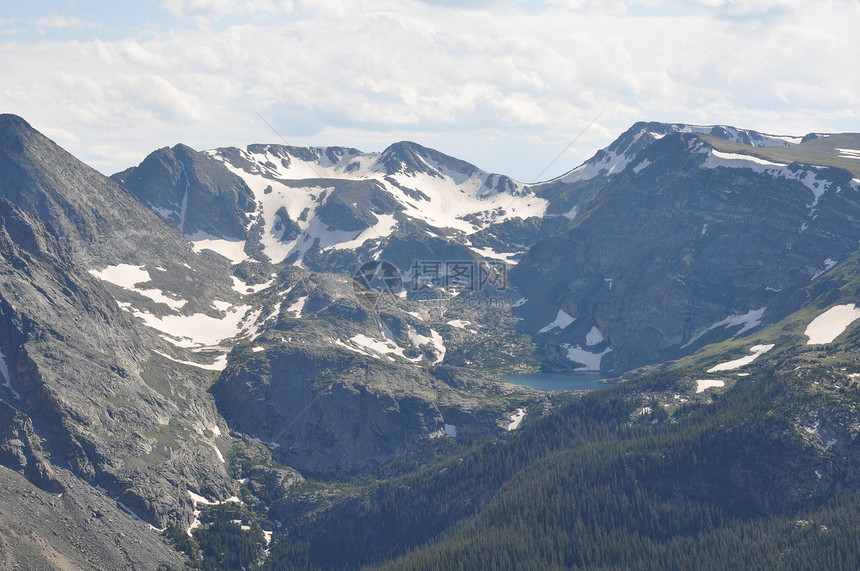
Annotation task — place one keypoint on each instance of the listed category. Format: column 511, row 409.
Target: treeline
column 826, row 539
column 596, row 484
column 221, row 542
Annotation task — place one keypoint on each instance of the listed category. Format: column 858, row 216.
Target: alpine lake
column 567, row 381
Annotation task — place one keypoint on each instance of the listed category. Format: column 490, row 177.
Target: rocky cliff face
column 21, row 450
column 78, row 372
column 78, row 528
column 328, row 413
column 93, row 217
column 335, row 387
column 683, row 240
column 193, row 191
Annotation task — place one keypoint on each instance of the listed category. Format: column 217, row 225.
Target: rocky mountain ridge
column 298, row 203
column 678, row 238
column 181, row 337
column 352, row 208
column 109, row 351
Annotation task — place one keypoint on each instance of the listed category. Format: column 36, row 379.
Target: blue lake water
column 572, row 381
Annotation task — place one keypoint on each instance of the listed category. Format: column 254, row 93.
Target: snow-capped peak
column 617, row 156
column 336, row 197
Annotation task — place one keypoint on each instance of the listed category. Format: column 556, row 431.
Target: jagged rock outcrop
column 192, row 190
column 21, row 450
column 95, row 218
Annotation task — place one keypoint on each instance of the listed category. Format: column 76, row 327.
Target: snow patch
column 806, row 175
column 590, row 361
column 594, row 337
column 298, row 306
column 384, row 227
column 849, row 154
column 516, row 419
column 127, row 276
column 219, row 364
column 562, row 320
column 165, row 213
column 746, row 322
column 736, row 160
column 454, row 197
column 507, row 257
column 641, row 165
column 386, row 331
column 7, row 378
column 755, row 352
column 828, row 265
column 159, row 297
column 198, row 499
column 610, row 162
column 233, row 250
column 240, row 286
column 831, row 324
column 372, row 347
column 218, row 453
column 435, row 340
column 704, row 384
column 136, row 517
column 199, row 329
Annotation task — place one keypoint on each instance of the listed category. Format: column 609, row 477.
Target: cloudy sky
column 504, row 84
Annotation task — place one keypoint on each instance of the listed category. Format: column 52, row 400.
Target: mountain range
column 266, row 335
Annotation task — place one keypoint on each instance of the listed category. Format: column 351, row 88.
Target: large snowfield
column 447, row 199
column 831, row 324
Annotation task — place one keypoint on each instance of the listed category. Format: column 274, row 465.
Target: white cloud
column 217, row 9
column 63, row 23
column 505, row 85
